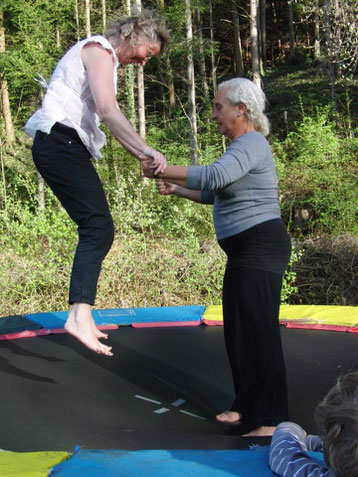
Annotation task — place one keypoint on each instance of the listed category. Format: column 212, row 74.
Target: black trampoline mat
column 161, row 390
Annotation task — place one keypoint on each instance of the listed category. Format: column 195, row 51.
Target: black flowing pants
column 65, row 164
column 257, row 259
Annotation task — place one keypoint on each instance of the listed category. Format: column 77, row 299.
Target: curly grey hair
column 244, row 91
column 337, row 419
column 142, row 26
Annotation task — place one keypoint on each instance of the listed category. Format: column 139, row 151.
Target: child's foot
column 229, row 417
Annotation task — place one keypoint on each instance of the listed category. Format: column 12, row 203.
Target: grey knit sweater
column 242, row 185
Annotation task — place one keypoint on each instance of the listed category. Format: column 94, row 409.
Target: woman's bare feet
column 229, row 417
column 97, row 331
column 80, row 324
column 263, row 431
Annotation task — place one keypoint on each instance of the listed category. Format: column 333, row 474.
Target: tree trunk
column 77, row 18
column 239, row 63
column 279, row 42
column 169, row 72
column 212, row 54
column 170, row 82
column 191, row 88
column 104, row 15
column 204, row 82
column 263, row 34
column 3, row 197
column 329, row 46
column 141, row 102
column 255, row 60
column 338, row 36
column 140, row 92
column 5, row 102
column 5, row 106
column 291, row 27
column 88, row 18
column 40, row 191
column 129, row 78
column 316, row 20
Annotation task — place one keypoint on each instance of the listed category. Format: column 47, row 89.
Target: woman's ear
column 241, row 109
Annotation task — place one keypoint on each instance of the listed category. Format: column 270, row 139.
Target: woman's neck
column 245, row 128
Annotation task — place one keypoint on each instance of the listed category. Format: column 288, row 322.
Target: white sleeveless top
column 68, row 99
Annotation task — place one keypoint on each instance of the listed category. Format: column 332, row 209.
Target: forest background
column 303, row 54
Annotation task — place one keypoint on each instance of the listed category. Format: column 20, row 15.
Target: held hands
column 164, row 188
column 158, row 162
column 147, row 168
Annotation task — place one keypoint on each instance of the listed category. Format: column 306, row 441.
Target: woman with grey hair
column 242, row 185
column 66, row 132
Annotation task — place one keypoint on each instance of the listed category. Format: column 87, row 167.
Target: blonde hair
column 242, row 90
column 143, row 25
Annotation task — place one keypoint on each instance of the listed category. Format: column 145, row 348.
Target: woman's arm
column 98, row 63
column 241, row 157
column 173, row 174
column 166, row 188
column 173, row 181
column 131, row 150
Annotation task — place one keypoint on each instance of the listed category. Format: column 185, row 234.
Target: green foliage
column 164, row 253
column 301, row 59
column 32, row 48
column 18, row 173
column 36, row 257
column 318, row 173
column 158, row 256
column 289, row 286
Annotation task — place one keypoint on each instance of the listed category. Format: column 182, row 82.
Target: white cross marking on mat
column 163, row 410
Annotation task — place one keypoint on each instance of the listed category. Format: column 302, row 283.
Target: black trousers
column 251, row 300
column 65, row 164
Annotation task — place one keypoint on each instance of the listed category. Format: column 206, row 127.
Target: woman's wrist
column 148, row 151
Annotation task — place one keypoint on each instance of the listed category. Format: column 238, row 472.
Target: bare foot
column 229, row 417
column 80, row 324
column 97, row 331
column 263, row 431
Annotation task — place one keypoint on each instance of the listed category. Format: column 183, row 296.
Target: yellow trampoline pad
column 29, row 464
column 335, row 315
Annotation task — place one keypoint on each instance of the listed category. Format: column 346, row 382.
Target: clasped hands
column 153, row 161
column 150, row 170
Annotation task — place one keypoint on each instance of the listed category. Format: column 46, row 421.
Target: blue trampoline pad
column 166, row 463
column 16, row 324
column 125, row 316
column 170, row 463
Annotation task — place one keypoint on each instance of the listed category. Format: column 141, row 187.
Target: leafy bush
column 35, row 259
column 317, row 173
column 164, row 253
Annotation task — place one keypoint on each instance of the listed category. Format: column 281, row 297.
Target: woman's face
column 227, row 116
column 128, row 54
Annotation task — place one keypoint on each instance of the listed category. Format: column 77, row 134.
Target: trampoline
column 160, row 391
